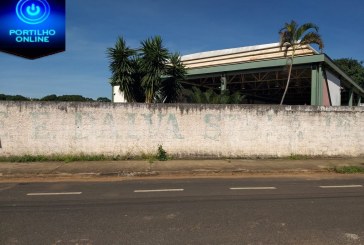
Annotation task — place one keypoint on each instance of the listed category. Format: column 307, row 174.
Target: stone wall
column 47, row 128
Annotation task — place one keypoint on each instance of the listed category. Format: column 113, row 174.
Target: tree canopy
column 13, row 97
column 103, row 99
column 292, row 35
column 353, row 68
column 52, row 97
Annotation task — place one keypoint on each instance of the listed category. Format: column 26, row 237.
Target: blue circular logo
column 33, row 11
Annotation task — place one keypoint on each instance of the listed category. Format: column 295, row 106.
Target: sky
column 186, row 26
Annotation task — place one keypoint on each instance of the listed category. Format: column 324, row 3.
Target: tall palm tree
column 293, row 36
column 122, row 66
column 153, row 65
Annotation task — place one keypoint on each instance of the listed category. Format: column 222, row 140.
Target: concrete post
column 351, row 97
column 316, row 85
column 223, row 83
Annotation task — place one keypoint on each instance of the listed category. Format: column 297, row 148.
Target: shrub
column 161, row 154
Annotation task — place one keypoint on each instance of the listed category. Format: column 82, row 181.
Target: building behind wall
column 117, row 95
column 260, row 74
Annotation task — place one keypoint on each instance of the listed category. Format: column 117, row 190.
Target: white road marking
column 253, row 188
column 54, row 193
column 159, row 190
column 340, row 186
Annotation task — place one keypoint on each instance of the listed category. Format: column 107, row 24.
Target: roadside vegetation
column 159, row 155
column 74, row 158
column 349, row 169
column 57, row 158
column 300, row 157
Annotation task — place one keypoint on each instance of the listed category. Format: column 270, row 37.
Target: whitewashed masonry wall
column 46, row 128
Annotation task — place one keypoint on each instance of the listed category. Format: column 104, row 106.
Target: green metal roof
column 264, row 64
column 191, row 73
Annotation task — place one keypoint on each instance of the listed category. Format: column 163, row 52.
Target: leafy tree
column 103, row 99
column 293, row 36
column 150, row 73
column 51, row 97
column 54, row 97
column 19, row 98
column 353, row 68
column 79, row 98
column 13, row 97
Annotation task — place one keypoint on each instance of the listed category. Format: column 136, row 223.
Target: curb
column 197, row 172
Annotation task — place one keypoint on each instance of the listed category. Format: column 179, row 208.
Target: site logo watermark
column 33, row 12
column 32, row 28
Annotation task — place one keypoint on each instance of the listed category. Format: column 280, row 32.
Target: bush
column 161, row 154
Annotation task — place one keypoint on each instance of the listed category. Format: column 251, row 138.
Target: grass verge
column 349, row 170
column 67, row 158
column 160, row 155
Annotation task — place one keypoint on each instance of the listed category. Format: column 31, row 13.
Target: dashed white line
column 254, row 188
column 54, row 193
column 340, row 186
column 159, row 190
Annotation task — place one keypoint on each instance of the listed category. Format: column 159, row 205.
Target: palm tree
column 171, row 87
column 148, row 74
column 153, row 63
column 293, row 36
column 122, row 66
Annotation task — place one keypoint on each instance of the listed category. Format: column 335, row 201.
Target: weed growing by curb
column 161, row 154
column 148, row 157
column 298, row 157
column 349, row 170
column 62, row 158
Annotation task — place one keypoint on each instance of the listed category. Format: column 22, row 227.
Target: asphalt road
column 185, row 211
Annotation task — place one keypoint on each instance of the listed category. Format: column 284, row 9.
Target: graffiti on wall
column 245, row 131
column 83, row 125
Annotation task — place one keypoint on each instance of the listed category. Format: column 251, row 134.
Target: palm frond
column 290, row 35
column 171, row 87
column 209, row 96
column 198, row 96
column 122, row 68
column 153, row 64
column 304, row 28
column 287, row 36
column 313, row 37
